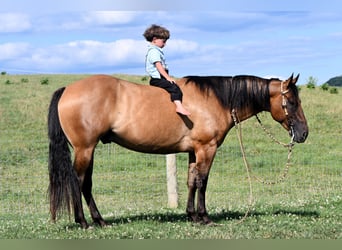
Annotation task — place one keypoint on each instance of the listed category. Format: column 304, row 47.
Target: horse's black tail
column 64, row 189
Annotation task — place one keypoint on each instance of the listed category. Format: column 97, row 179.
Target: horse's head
column 286, row 108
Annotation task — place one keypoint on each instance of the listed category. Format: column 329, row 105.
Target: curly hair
column 156, row 31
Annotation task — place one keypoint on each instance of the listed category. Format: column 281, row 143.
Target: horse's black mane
column 235, row 91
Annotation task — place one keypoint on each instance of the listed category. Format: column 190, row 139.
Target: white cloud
column 89, row 21
column 14, row 22
column 77, row 56
column 100, row 53
column 9, row 51
column 108, row 17
column 180, row 46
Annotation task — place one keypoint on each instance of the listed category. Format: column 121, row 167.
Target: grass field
column 130, row 188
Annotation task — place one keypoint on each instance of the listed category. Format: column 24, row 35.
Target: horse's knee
column 199, row 183
column 192, row 176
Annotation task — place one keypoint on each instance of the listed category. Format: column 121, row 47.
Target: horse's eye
column 292, row 102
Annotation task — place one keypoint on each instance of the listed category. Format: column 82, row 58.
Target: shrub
column 23, row 80
column 334, row 91
column 325, row 87
column 8, row 82
column 311, row 86
column 3, row 73
column 44, row 81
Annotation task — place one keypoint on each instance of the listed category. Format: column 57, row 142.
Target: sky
column 264, row 38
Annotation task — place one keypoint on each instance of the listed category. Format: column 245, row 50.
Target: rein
column 289, row 146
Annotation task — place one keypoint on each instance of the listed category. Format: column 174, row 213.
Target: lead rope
column 289, row 147
column 250, row 199
column 280, row 179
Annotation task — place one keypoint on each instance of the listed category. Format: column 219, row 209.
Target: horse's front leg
column 192, row 174
column 204, row 160
column 201, row 208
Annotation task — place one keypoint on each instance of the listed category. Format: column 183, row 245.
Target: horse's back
column 97, row 85
column 136, row 116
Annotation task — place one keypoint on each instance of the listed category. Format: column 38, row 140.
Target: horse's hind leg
column 83, row 166
column 87, row 193
column 81, row 163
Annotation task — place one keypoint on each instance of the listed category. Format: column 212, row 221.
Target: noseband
column 284, row 106
column 283, row 98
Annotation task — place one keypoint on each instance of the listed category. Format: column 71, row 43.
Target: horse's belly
column 152, row 139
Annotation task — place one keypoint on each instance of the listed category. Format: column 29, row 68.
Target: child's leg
column 180, row 109
column 175, row 92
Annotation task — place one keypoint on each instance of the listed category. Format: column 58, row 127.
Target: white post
column 171, row 175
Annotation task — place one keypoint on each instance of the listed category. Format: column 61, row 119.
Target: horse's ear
column 288, row 81
column 294, row 80
column 291, row 80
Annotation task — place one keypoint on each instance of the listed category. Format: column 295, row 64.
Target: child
column 157, row 68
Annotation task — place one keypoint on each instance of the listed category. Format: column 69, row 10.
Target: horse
column 143, row 118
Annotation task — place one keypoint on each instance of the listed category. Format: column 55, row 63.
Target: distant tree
column 311, row 82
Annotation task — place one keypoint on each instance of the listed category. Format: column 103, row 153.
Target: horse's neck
column 245, row 113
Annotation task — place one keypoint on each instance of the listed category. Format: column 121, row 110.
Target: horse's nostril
column 303, row 137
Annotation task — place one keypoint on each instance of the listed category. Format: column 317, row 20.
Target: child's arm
column 163, row 72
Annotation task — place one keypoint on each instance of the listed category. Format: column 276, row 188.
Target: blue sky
column 264, row 38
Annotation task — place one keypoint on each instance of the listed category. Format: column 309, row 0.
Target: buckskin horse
column 142, row 118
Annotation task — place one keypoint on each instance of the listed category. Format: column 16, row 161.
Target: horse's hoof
column 193, row 217
column 83, row 224
column 100, row 222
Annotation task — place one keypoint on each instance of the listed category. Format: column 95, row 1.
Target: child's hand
column 170, row 79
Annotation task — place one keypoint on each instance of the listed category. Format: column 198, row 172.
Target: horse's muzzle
column 298, row 136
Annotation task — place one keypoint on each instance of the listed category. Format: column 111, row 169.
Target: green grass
column 130, row 188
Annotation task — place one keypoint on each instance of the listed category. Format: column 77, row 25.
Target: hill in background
column 335, row 81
